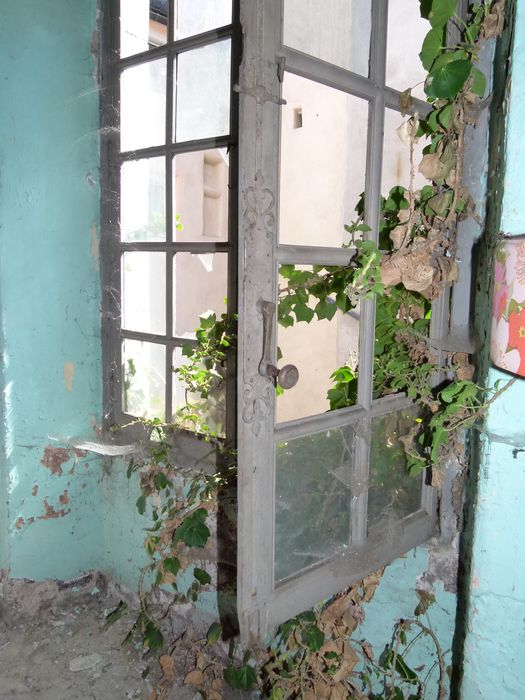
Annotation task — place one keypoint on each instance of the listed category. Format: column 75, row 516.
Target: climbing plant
column 415, row 258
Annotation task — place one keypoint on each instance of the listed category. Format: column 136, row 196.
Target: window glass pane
column 200, row 195
column 199, row 285
column 313, row 497
column 406, row 31
column 144, row 292
column 143, row 105
column 317, row 349
column 337, row 32
column 144, row 375
column 143, row 25
column 392, row 492
column 142, row 200
column 210, row 410
column 323, row 162
column 396, row 156
column 196, row 16
column 202, row 103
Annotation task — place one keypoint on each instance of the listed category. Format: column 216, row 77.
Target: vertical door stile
column 372, row 218
column 259, row 90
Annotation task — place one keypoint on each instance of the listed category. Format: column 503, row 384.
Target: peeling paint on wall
column 51, row 512
column 54, row 458
column 95, row 247
column 69, row 373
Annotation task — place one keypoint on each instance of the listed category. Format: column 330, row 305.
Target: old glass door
column 324, row 497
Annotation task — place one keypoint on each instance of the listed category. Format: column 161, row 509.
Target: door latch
column 288, row 376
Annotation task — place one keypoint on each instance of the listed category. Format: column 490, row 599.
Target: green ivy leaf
column 303, row 312
column 161, row 481
column 325, row 310
column 479, row 82
column 312, row 637
column 193, row 531
column 141, row 504
column 214, row 633
column 153, row 638
column 240, row 678
column 441, row 12
column 446, row 82
column 431, row 48
column 202, row 576
column 171, row 565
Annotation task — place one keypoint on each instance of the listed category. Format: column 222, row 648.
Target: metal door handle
column 288, row 376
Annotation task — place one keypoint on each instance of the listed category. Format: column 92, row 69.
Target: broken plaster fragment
column 83, row 663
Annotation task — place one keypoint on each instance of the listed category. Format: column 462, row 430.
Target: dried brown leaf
column 405, row 101
column 167, row 665
column 335, row 610
column 194, row 678
column 398, row 235
column 201, row 662
column 339, row 692
column 433, row 168
column 390, row 273
column 495, row 20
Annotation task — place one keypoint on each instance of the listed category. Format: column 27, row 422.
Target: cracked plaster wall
column 49, row 288
column 494, row 645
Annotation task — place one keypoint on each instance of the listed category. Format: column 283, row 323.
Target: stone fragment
column 83, row 663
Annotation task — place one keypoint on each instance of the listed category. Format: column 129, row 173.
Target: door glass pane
column 317, row 348
column 396, row 156
column 323, row 162
column 197, row 16
column 143, row 25
column 313, row 497
column 202, row 101
column 199, row 286
column 142, row 200
column 200, row 195
column 406, row 31
column 392, row 492
column 143, row 105
column 144, row 379
column 144, row 292
column 338, row 32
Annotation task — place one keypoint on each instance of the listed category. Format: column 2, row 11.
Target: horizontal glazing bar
column 336, row 419
column 306, row 255
column 177, row 47
column 328, row 74
column 170, row 343
column 176, row 148
column 177, row 247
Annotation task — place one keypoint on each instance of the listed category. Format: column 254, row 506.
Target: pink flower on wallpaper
column 501, row 291
column 499, row 343
column 520, row 263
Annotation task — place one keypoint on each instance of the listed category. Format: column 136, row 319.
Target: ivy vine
column 412, row 263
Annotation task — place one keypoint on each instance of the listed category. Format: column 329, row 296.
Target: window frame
column 111, row 246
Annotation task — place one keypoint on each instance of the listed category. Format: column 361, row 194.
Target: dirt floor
column 53, row 646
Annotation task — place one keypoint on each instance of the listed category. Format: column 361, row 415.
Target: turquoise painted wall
column 395, row 599
column 495, row 640
column 49, row 287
